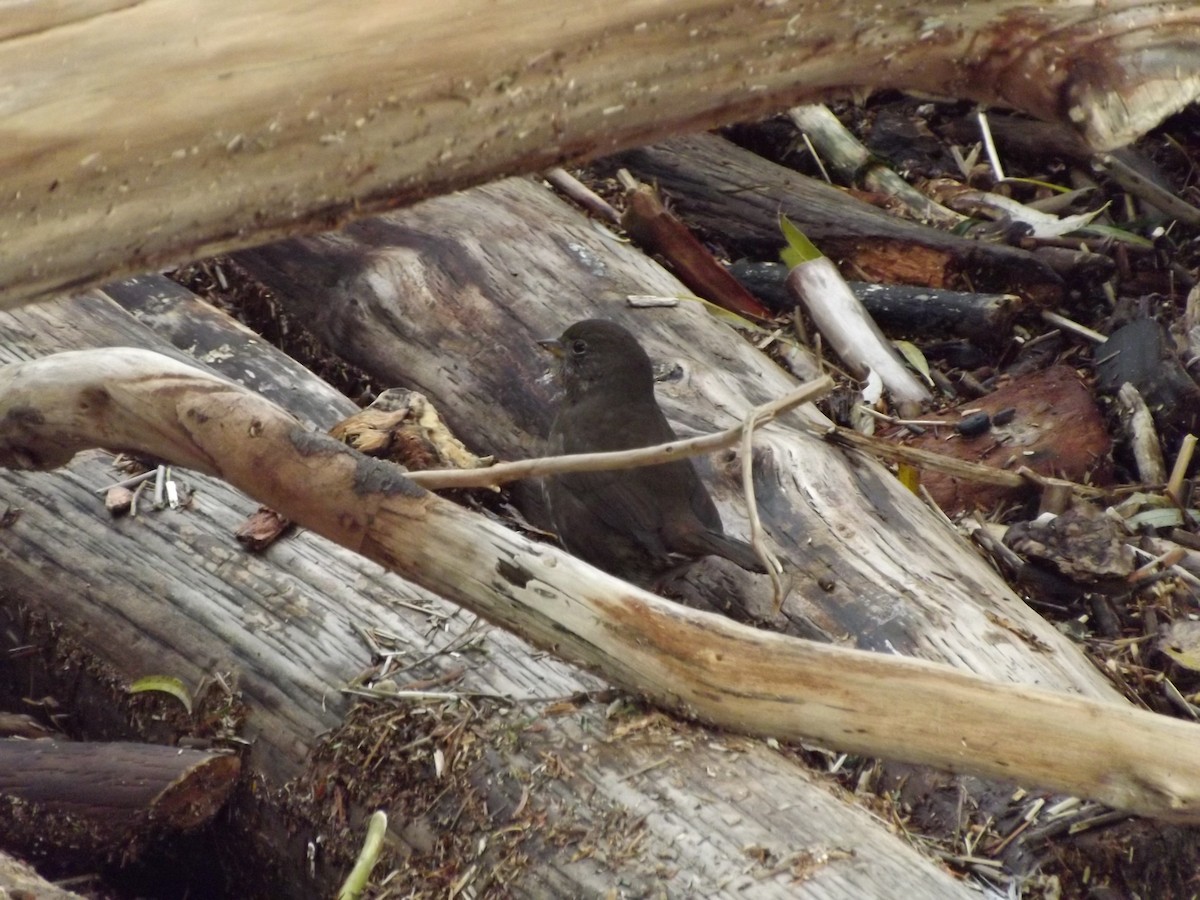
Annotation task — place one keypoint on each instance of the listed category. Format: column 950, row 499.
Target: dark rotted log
column 902, row 309
column 738, row 197
column 73, row 806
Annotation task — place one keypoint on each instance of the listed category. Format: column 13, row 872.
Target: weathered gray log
column 185, row 600
column 285, row 117
column 416, row 296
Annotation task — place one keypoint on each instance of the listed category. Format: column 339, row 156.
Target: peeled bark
column 286, row 117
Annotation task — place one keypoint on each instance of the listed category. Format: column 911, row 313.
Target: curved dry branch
column 502, row 473
column 696, row 663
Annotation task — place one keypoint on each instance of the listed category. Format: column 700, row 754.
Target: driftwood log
column 287, row 628
column 285, row 118
column 413, row 295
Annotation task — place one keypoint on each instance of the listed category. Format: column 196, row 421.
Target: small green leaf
column 164, row 684
column 799, row 248
column 1056, row 188
column 914, row 357
column 728, row 316
column 1117, row 234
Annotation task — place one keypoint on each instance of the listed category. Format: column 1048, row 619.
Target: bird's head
column 598, row 352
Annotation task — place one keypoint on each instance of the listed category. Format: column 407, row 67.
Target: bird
column 637, row 524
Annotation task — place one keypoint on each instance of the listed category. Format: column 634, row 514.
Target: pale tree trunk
column 143, row 133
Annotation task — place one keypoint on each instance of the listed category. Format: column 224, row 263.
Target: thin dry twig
column 442, row 479
column 958, row 468
column 582, row 194
column 770, row 563
column 1074, row 327
column 989, row 145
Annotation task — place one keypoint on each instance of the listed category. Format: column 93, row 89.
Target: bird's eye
column 579, row 347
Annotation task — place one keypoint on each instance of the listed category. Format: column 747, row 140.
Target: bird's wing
column 627, row 501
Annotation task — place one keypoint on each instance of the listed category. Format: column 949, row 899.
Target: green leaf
column 1056, row 188
column 356, row 881
column 914, row 357
column 164, row 684
column 799, row 248
column 728, row 316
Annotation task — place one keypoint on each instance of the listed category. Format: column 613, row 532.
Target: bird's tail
column 712, row 543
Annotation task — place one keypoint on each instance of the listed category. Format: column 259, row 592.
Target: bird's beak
column 554, row 346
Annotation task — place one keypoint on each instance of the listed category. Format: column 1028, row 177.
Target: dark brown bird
column 633, row 523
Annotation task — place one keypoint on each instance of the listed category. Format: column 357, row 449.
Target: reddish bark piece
column 261, row 529
column 657, row 231
column 1057, row 431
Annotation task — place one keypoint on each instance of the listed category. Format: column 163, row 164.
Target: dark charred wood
column 732, row 194
column 1138, row 353
column 903, row 309
column 73, row 806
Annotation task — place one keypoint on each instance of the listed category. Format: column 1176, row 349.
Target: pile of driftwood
column 503, row 767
